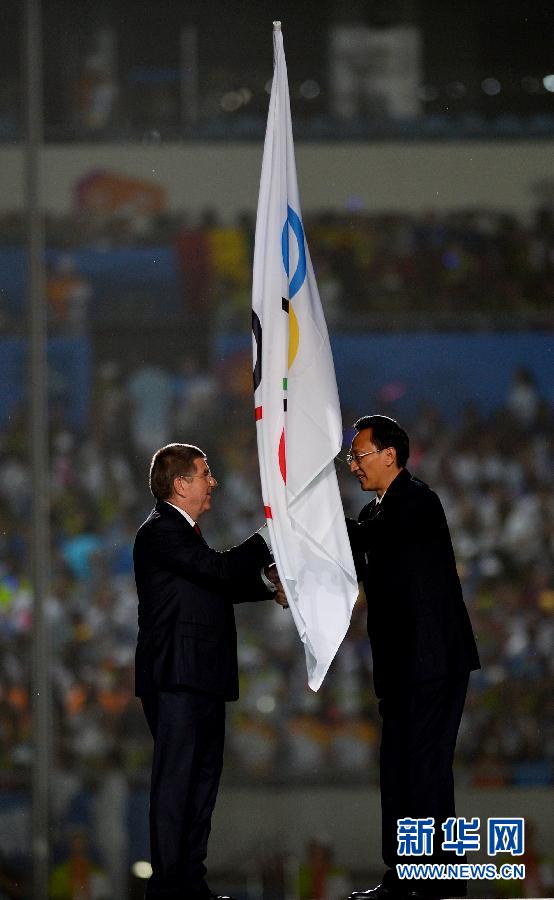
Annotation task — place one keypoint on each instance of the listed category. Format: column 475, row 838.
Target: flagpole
column 38, row 401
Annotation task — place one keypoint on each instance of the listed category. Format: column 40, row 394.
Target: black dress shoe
column 420, row 895
column 190, row 895
column 427, row 895
column 381, row 892
column 430, row 895
column 208, row 895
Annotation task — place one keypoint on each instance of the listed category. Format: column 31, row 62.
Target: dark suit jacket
column 416, row 617
column 186, row 592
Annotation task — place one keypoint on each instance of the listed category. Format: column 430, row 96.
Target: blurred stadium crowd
column 459, row 269
column 148, row 312
column 492, row 474
column 144, row 302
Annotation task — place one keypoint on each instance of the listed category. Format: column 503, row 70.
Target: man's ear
column 390, row 454
column 177, row 486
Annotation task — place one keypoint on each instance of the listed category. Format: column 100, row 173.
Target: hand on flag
column 272, row 575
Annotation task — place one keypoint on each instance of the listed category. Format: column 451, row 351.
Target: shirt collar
column 183, row 513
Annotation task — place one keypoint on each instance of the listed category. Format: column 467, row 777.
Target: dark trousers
column 188, row 728
column 420, row 727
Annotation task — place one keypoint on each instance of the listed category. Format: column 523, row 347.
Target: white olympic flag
column 296, row 401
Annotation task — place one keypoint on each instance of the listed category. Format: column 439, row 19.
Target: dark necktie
column 374, row 513
column 197, row 529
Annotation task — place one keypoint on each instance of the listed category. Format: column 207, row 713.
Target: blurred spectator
column 111, row 824
column 77, row 876
column 539, row 873
column 523, row 398
column 318, row 877
column 150, row 390
column 68, row 294
column 96, row 92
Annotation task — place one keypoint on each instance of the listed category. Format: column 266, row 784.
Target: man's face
column 370, row 465
column 196, row 489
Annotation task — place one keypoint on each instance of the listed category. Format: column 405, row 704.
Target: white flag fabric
column 297, row 408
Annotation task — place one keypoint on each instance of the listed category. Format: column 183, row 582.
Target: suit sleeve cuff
column 264, row 532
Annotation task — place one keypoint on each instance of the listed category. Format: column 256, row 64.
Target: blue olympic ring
column 293, row 219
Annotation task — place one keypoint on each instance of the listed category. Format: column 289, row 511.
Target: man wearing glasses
column 186, row 660
column 422, row 644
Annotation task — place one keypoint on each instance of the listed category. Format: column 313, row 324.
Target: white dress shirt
column 183, row 513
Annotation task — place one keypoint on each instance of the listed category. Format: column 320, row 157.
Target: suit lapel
column 370, row 511
column 373, row 510
column 396, row 487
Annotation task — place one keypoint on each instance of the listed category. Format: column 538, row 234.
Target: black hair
column 386, row 432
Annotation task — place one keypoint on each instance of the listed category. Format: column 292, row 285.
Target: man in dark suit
column 422, row 644
column 186, row 661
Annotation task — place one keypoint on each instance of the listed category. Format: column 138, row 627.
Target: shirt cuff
column 269, row 585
